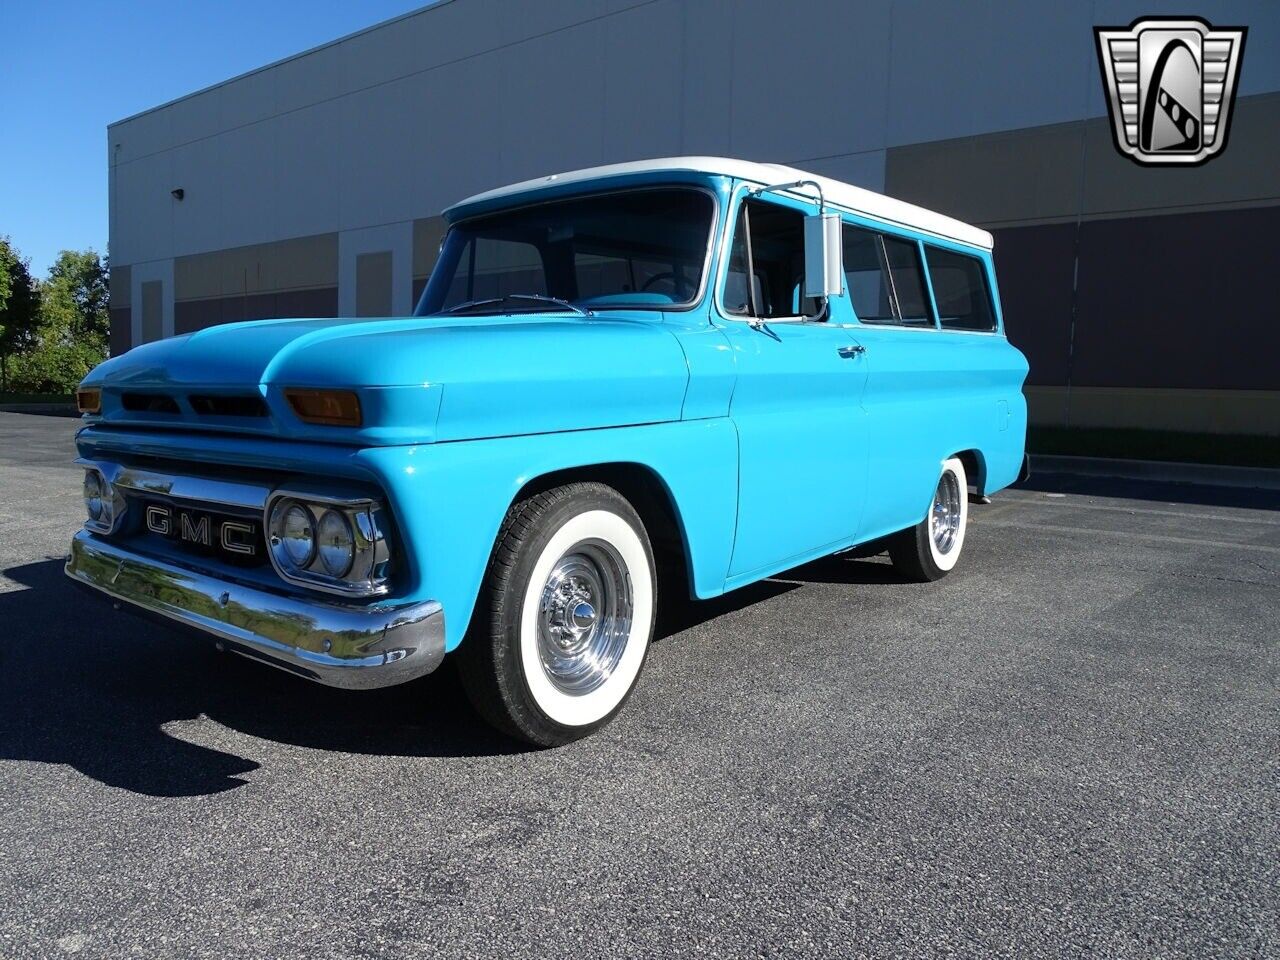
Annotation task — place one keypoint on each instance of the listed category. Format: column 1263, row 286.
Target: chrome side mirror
column 823, row 256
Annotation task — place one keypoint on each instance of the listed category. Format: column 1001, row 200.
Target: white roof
column 846, row 195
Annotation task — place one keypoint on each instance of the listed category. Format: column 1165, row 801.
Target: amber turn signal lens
column 334, row 408
column 89, row 401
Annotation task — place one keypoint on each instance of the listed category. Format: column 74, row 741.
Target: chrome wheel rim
column 584, row 617
column 944, row 517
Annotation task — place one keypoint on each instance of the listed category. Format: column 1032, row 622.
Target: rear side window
column 886, row 284
column 960, row 290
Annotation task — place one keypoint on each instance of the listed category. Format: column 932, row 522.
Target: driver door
column 797, row 403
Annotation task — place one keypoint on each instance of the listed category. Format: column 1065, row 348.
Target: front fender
column 449, row 499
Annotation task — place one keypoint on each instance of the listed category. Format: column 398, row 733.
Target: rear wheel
column 565, row 618
column 930, row 549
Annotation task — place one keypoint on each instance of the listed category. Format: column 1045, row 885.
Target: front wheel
column 930, row 549
column 565, row 617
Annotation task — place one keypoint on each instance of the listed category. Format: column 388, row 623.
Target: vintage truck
column 623, row 385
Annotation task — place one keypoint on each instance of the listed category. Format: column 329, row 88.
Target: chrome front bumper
column 341, row 646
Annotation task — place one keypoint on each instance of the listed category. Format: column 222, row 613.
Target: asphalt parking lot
column 1069, row 746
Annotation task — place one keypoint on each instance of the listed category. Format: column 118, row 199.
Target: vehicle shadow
column 121, row 699
column 114, row 696
column 844, row 569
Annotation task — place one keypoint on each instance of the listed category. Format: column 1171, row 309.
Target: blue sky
column 70, row 68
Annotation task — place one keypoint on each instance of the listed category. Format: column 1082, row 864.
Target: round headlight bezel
column 357, row 561
column 338, row 526
column 286, row 511
column 95, row 500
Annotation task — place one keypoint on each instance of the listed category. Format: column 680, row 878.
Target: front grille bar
column 226, row 493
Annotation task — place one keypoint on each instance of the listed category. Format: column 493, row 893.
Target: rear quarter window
column 960, row 289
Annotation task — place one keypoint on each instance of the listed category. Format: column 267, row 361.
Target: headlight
column 337, row 546
column 295, row 536
column 93, row 502
column 102, row 505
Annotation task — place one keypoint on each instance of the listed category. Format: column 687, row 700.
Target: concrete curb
column 1205, row 474
column 59, row 409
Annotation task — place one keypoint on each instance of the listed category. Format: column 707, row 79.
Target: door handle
column 849, row 352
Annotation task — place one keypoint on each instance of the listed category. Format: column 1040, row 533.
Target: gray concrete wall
column 993, row 112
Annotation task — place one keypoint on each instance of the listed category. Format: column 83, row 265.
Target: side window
column 960, row 289
column 768, row 247
column 886, row 284
column 867, row 276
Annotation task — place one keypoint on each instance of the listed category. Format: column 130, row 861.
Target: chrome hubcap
column 944, row 518
column 584, row 617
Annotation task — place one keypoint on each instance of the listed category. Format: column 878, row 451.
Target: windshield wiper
column 536, row 297
column 468, row 304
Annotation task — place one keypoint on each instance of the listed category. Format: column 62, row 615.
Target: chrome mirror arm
column 792, row 186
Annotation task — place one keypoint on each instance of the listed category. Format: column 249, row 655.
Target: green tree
column 71, row 333
column 19, row 307
column 74, row 300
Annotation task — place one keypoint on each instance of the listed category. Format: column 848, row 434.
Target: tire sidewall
column 589, row 515
column 945, row 562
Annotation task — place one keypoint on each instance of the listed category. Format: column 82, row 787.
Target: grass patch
column 1225, row 449
column 36, row 398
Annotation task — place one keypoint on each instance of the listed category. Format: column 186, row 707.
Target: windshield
column 644, row 248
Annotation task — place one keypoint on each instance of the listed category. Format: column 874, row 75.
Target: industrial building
column 1143, row 297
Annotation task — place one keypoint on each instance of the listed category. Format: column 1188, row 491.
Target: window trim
column 712, row 245
column 742, row 194
column 988, row 283
column 922, row 266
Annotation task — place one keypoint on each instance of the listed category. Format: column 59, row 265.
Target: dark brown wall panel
column 121, row 336
column 1182, row 300
column 1035, row 271
column 192, row 315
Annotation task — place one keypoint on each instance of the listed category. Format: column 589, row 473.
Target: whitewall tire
column 561, row 631
column 931, row 549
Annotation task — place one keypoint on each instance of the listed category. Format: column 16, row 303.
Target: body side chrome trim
column 341, row 646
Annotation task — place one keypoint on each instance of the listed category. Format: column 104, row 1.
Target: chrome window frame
column 996, row 319
column 866, row 221
column 742, row 192
column 921, row 265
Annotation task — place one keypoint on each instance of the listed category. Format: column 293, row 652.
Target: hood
column 420, row 379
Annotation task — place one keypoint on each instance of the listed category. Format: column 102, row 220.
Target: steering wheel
column 679, row 286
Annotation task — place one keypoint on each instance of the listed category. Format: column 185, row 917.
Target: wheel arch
column 651, row 496
column 975, row 466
